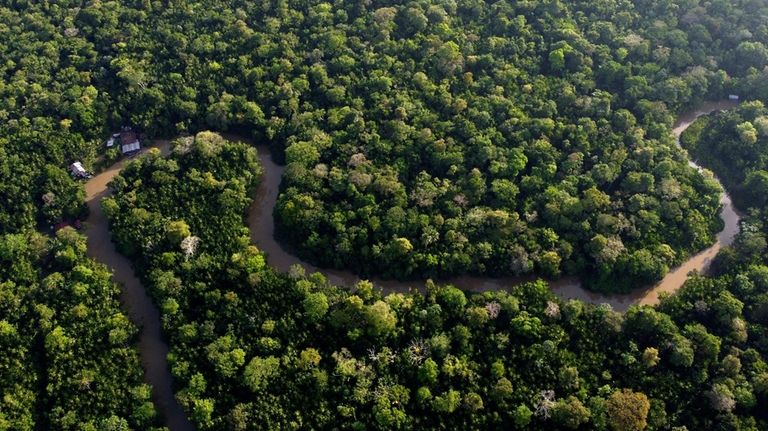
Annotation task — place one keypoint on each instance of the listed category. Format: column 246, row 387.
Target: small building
column 733, row 97
column 114, row 139
column 129, row 142
column 78, row 171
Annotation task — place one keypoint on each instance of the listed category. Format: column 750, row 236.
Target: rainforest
column 383, row 214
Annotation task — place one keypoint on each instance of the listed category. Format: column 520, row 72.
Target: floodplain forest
column 420, row 140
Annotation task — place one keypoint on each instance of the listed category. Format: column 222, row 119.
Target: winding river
column 137, row 303
column 262, row 234
column 144, row 314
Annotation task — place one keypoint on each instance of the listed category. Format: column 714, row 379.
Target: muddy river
column 262, row 234
column 137, row 303
column 143, row 312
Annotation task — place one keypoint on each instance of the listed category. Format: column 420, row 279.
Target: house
column 78, row 171
column 733, row 97
column 129, row 142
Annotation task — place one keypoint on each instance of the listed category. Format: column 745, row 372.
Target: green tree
column 260, row 371
column 627, row 410
column 315, row 306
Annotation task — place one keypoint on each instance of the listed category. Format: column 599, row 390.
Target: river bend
column 144, row 314
column 262, row 230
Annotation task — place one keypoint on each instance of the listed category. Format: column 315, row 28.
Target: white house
column 131, row 147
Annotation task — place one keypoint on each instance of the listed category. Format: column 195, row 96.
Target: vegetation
column 37, row 190
column 69, row 361
column 496, row 139
column 424, row 138
column 252, row 348
column 734, row 144
column 421, row 139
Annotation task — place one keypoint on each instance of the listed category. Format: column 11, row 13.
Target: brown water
column 140, row 308
column 146, row 316
column 262, row 234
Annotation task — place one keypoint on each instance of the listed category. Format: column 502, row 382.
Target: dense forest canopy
column 734, row 144
column 421, row 138
column 256, row 349
column 68, row 358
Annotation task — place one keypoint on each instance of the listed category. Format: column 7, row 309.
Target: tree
column 473, row 402
column 448, row 59
column 627, row 410
column 452, row 299
column 747, row 133
column 721, row 398
column 550, row 264
column 570, row 413
column 177, row 230
column 410, row 21
column 522, row 416
column 225, row 358
column 447, row 402
column 315, row 306
column 202, row 411
column 502, row 389
column 381, row 320
column 428, row 372
column 260, row 371
column 757, row 186
column 651, row 357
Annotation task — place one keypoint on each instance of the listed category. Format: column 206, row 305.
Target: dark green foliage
column 201, row 192
column 68, row 360
column 422, row 139
column 36, row 188
column 440, row 155
column 252, row 348
column 734, row 144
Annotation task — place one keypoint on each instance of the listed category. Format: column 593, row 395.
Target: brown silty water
column 140, row 308
column 262, row 229
column 146, row 315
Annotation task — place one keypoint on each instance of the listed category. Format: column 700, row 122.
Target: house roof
column 77, row 167
column 131, row 147
column 128, row 137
